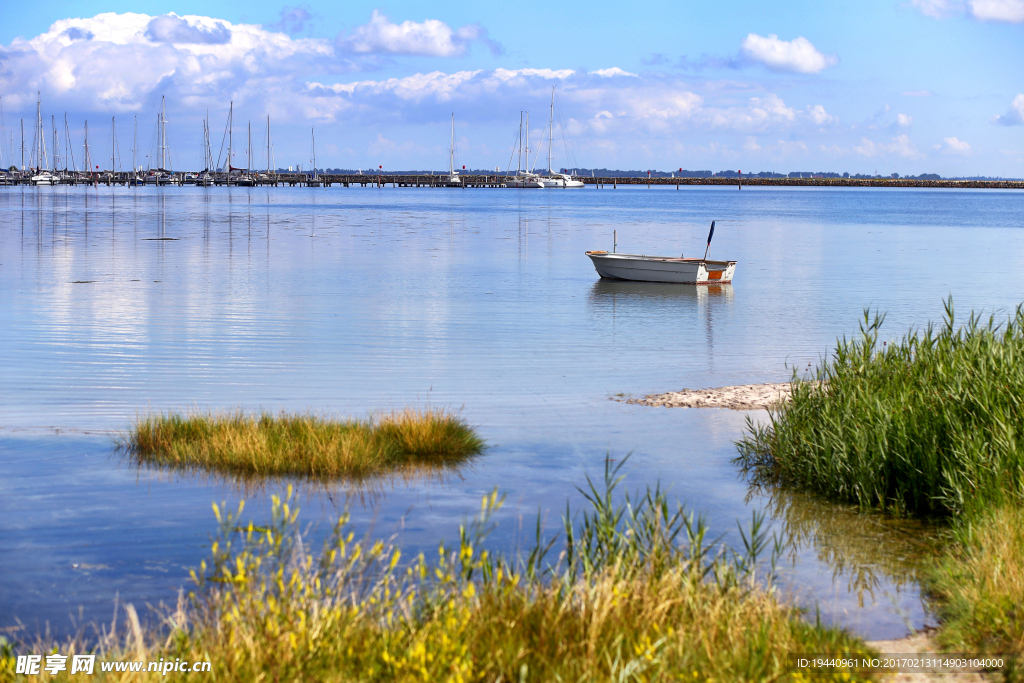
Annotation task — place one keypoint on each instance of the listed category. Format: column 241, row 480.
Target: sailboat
column 42, row 176
column 246, row 179
column 524, row 178
column 160, row 175
column 314, row 180
column 562, row 180
column 204, row 179
column 134, row 180
column 453, row 175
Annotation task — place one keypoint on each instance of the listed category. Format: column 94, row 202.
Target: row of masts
column 41, row 158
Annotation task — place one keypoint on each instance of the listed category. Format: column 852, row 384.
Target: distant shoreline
column 498, row 180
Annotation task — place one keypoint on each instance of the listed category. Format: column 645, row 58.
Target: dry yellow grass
column 635, row 595
column 307, row 445
column 980, row 585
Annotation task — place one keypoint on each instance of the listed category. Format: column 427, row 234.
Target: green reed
column 313, row 446
column 932, row 424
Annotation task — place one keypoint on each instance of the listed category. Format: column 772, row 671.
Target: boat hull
column 638, row 268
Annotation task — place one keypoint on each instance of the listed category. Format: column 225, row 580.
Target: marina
column 473, row 180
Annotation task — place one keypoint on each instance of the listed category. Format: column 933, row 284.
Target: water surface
column 120, row 301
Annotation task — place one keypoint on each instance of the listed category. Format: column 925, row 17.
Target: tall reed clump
column 306, row 445
column 635, row 593
column 930, row 425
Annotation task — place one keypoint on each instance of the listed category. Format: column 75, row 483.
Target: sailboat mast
column 135, row 142
column 39, row 133
column 248, row 150
column 163, row 135
column 551, row 124
column 56, row 142
column 207, row 154
column 451, row 150
column 113, row 144
column 69, row 149
column 268, row 144
column 231, row 132
column 529, row 168
column 519, row 163
column 313, row 136
column 23, row 145
column 88, row 159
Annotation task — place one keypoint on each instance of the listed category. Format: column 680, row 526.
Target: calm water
column 116, row 302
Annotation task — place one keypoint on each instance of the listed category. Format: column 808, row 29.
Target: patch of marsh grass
column 979, row 586
column 932, row 424
column 307, row 445
column 630, row 591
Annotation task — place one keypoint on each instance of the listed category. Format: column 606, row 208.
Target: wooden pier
column 487, row 181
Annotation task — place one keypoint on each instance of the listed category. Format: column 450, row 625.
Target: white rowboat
column 690, row 271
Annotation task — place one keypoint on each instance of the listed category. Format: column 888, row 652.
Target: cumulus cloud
column 651, row 105
column 797, row 55
column 1014, row 116
column 898, row 146
column 998, row 10
column 124, row 62
column 820, row 117
column 201, row 63
column 170, row 28
column 954, row 146
column 904, row 121
column 614, row 71
column 431, row 38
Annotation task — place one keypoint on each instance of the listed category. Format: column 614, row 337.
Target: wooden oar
column 710, row 235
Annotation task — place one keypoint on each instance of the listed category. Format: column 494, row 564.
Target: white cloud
column 432, row 38
column 797, row 55
column 437, row 85
column 614, row 71
column 904, row 121
column 985, row 10
column 751, row 144
column 998, row 10
column 820, row 117
column 954, row 146
column 899, row 146
column 1015, row 114
column 510, row 74
column 938, row 9
column 170, row 28
column 124, row 62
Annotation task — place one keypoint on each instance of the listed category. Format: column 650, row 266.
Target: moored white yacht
column 45, row 178
column 552, row 179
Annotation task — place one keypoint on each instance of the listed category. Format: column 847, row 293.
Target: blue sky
column 905, row 86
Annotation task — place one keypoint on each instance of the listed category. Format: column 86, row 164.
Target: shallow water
column 115, row 302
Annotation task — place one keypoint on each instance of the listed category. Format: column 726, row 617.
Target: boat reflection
column 626, row 291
